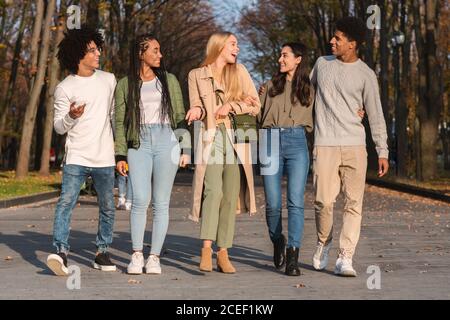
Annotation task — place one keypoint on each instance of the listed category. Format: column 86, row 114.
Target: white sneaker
column 137, row 263
column 344, row 267
column 128, row 206
column 58, row 264
column 153, row 266
column 121, row 204
column 320, row 257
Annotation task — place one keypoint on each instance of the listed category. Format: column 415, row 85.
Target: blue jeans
column 152, row 172
column 124, row 186
column 73, row 178
column 291, row 156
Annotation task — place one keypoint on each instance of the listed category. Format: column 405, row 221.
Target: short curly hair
column 353, row 28
column 74, row 47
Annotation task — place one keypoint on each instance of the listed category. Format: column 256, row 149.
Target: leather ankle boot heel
column 206, row 260
column 279, row 252
column 292, row 262
column 223, row 263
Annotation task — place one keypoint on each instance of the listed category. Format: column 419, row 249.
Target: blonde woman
column 219, row 89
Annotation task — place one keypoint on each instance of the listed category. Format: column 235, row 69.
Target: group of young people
column 130, row 126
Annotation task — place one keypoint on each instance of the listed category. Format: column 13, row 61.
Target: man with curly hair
column 83, row 110
column 343, row 84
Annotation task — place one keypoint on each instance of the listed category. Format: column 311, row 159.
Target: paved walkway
column 407, row 237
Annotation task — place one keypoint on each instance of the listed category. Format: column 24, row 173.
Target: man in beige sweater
column 343, row 84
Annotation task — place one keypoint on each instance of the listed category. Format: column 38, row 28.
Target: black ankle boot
column 292, row 262
column 279, row 252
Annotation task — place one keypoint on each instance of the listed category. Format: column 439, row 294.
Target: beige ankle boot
column 223, row 263
column 206, row 260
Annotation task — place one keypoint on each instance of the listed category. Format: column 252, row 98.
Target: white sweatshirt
column 342, row 89
column 89, row 141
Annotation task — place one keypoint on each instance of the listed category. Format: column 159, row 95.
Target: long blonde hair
column 230, row 76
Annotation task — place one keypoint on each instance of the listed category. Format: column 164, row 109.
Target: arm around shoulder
column 249, row 89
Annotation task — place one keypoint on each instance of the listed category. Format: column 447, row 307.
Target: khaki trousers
column 335, row 167
column 221, row 192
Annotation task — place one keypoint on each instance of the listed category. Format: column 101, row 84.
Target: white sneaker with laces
column 153, row 266
column 320, row 257
column 137, row 263
column 344, row 267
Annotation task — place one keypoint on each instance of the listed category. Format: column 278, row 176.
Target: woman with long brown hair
column 219, row 89
column 286, row 115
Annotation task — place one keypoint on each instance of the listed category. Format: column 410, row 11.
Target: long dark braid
column 138, row 47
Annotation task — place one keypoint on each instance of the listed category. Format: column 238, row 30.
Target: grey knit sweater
column 342, row 89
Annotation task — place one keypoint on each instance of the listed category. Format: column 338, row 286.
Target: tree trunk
column 367, row 53
column 38, row 135
column 127, row 29
column 114, row 26
column 3, row 132
column 34, row 53
column 92, row 17
column 3, row 50
column 401, row 112
column 430, row 102
column 417, row 149
column 53, row 71
column 384, row 61
column 30, row 112
column 2, row 25
column 4, row 106
column 445, row 138
column 428, row 141
column 434, row 89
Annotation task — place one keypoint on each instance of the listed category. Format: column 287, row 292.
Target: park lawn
column 33, row 184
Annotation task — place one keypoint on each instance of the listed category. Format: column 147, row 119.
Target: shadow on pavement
column 182, row 252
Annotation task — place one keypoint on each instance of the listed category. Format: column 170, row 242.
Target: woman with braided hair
column 149, row 107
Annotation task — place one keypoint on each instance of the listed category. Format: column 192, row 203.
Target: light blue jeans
column 73, row 177
column 152, row 170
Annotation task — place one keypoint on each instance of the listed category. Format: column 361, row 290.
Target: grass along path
column 33, row 184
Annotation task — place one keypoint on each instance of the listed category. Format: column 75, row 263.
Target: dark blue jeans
column 73, row 178
column 287, row 152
